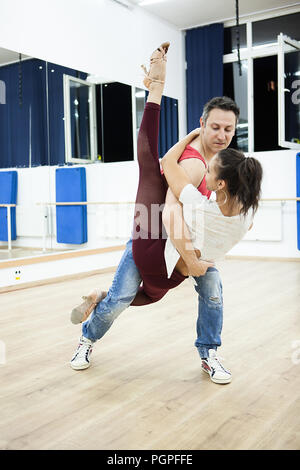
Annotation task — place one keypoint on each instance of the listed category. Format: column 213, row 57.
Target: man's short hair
column 220, row 102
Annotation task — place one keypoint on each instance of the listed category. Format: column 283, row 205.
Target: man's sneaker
column 81, row 358
column 215, row 369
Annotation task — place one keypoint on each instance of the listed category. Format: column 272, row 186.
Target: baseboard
column 81, row 275
column 261, row 258
column 55, row 280
column 58, row 256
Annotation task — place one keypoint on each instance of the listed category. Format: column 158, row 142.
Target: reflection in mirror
column 32, row 142
column 80, row 114
column 115, row 109
column 140, row 97
column 235, row 86
column 23, row 149
column 58, row 128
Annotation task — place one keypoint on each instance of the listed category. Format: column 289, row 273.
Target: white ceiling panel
column 185, row 14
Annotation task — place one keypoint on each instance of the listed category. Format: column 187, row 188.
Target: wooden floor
column 145, row 388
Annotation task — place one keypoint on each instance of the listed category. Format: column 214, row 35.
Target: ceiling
column 186, row 14
column 7, row 56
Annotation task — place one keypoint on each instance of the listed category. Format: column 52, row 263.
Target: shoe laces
column 83, row 348
column 215, row 362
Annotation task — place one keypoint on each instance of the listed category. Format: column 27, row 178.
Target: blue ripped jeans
column 125, row 286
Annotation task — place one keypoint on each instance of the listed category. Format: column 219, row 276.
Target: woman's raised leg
column 152, row 188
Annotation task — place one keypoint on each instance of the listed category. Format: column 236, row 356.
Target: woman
column 221, row 223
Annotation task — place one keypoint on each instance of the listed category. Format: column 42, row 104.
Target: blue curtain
column 23, row 117
column 168, row 126
column 204, row 76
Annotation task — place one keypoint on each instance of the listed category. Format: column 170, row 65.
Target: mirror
column 57, row 122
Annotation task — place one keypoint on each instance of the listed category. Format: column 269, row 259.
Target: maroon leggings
column 149, row 236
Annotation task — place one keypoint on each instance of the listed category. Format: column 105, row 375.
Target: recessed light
column 144, row 3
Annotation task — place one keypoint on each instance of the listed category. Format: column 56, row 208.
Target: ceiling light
column 124, row 3
column 145, row 3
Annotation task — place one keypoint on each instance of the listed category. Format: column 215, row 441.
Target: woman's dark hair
column 243, row 176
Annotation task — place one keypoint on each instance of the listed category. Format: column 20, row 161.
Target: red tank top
column 190, row 152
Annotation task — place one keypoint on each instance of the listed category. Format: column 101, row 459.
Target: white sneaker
column 215, row 369
column 81, row 358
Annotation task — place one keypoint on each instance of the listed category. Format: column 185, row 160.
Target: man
column 218, row 123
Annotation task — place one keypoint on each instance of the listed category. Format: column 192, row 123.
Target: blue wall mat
column 71, row 221
column 8, row 195
column 298, row 195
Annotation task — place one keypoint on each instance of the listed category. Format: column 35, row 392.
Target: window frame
column 250, row 53
column 67, row 121
column 282, row 40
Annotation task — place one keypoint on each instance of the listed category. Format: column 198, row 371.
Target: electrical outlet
column 17, row 274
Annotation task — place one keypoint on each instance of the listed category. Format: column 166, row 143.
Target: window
column 266, row 31
column 289, row 92
column 268, row 91
column 230, row 38
column 235, row 85
column 79, row 116
column 114, row 122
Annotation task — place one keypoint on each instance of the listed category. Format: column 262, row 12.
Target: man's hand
column 198, row 267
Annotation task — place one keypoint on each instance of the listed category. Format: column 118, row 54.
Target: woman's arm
column 176, row 177
column 180, row 236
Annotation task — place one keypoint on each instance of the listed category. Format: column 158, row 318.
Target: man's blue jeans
column 125, row 286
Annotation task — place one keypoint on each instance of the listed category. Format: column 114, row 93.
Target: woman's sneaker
column 215, row 369
column 81, row 358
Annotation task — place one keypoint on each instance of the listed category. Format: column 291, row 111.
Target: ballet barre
column 278, row 199
column 82, row 203
column 77, row 203
column 85, row 203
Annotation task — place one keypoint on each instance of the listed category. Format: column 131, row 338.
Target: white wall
column 277, row 231
column 275, row 227
column 94, row 36
column 107, row 224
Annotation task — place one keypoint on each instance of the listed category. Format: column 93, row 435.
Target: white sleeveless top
column 213, row 233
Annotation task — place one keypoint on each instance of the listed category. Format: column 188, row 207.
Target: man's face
column 219, row 129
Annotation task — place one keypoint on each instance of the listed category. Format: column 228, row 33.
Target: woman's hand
column 193, row 134
column 198, row 267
